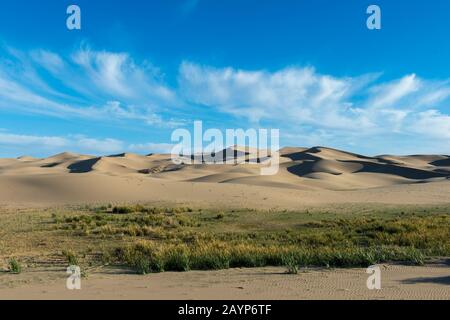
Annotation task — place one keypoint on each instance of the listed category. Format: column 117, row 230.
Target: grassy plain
column 149, row 239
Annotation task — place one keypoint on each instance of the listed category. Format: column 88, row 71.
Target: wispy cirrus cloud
column 151, row 147
column 35, row 144
column 86, row 84
column 388, row 94
column 433, row 123
column 311, row 104
column 48, row 60
column 44, row 145
column 296, row 94
column 117, row 75
column 308, row 106
column 9, row 139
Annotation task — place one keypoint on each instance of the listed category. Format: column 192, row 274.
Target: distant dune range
column 306, row 177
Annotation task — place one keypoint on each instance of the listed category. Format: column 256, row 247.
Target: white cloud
column 292, row 94
column 151, row 147
column 84, row 85
column 435, row 96
column 8, row 139
column 115, row 109
column 306, row 102
column 48, row 60
column 108, row 87
column 432, row 123
column 103, row 146
column 116, row 74
column 35, row 143
column 386, row 95
column 46, row 145
column 106, row 70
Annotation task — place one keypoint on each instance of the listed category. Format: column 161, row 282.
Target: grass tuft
column 291, row 264
column 14, row 266
column 70, row 257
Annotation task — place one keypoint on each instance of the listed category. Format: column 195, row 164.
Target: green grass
column 14, row 266
column 156, row 239
column 70, row 257
column 218, row 255
column 291, row 264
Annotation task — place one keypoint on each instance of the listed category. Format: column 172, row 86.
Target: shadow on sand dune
column 308, row 167
column 405, row 172
column 51, row 165
column 83, row 166
column 441, row 163
column 301, row 156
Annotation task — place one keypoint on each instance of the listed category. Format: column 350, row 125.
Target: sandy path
column 398, row 282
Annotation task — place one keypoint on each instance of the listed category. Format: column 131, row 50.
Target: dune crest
column 317, row 167
column 131, row 176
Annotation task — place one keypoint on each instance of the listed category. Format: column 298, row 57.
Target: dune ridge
column 316, row 169
column 318, row 166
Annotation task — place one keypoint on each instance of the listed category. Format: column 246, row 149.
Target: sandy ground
column 398, row 282
column 105, row 189
column 307, row 177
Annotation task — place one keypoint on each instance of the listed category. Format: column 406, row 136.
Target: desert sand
column 397, row 282
column 313, row 176
column 307, row 177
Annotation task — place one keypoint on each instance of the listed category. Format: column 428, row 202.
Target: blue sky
column 140, row 69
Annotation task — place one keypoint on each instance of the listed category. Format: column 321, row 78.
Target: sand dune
column 306, row 174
